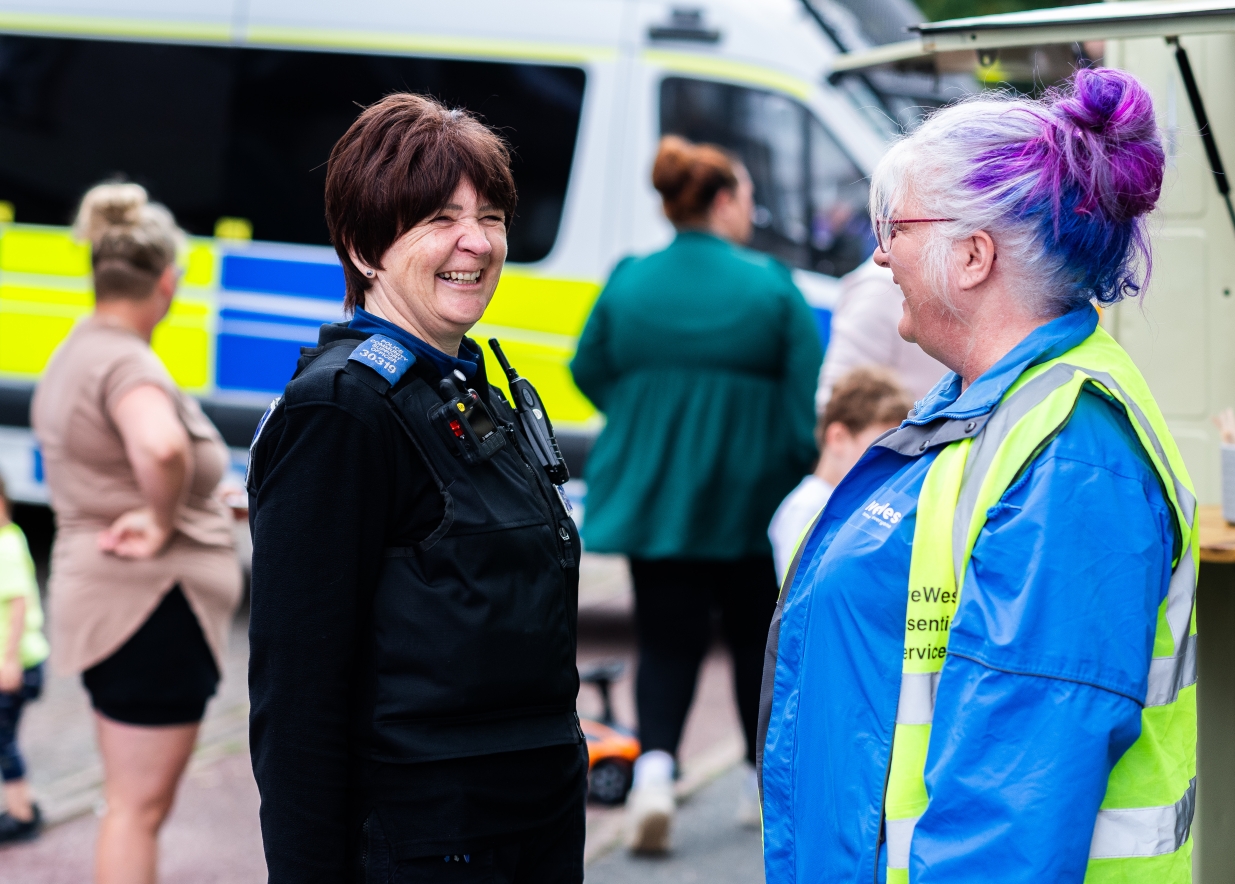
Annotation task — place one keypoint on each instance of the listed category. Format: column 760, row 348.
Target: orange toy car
column 611, row 748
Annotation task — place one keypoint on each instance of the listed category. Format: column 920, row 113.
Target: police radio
column 532, row 418
column 465, row 422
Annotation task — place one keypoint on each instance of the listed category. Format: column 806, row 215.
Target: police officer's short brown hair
column 397, row 165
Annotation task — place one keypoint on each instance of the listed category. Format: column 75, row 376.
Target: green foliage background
column 939, row 10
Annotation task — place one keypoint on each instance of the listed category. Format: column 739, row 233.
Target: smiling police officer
column 415, row 572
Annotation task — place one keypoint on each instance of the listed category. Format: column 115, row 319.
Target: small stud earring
column 369, row 273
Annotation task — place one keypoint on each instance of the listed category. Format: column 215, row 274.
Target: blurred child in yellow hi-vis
column 22, row 652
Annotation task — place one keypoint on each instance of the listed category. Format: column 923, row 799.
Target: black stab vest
column 473, row 639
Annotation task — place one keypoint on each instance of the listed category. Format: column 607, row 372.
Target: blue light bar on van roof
column 242, row 273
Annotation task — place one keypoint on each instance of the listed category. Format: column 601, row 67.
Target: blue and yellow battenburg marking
column 386, row 356
column 245, row 310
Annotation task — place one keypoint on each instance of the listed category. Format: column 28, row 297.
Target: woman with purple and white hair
column 965, row 680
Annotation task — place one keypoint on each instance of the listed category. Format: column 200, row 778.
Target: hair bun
column 671, row 171
column 109, row 205
column 1108, row 143
column 689, row 176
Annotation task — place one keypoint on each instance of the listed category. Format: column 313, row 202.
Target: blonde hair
column 132, row 240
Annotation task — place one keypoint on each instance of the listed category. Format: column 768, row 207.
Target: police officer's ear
column 365, row 270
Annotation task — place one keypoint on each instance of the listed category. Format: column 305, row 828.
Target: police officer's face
column 440, row 276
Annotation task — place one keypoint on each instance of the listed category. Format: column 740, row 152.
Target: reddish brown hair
column 397, row 165
column 862, row 397
column 689, row 176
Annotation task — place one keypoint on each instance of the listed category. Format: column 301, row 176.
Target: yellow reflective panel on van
column 43, row 250
column 538, row 320
column 546, row 365
column 28, row 339
column 199, row 268
column 114, row 26
column 427, row 44
column 182, row 341
column 713, row 68
column 46, row 289
column 555, row 306
column 34, row 320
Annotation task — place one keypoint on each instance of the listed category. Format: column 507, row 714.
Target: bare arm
column 10, row 666
column 157, row 447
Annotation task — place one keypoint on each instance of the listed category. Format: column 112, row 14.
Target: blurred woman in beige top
column 143, row 576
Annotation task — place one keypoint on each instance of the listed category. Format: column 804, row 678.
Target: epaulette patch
column 387, row 357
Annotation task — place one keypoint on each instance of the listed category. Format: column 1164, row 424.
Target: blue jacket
column 1047, row 667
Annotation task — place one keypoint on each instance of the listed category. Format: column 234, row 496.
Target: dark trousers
column 12, row 767
column 674, row 603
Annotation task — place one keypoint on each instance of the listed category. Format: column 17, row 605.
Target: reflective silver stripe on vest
column 917, row 699
column 1139, row 831
column 1168, row 675
column 986, row 445
column 1117, row 834
column 900, row 836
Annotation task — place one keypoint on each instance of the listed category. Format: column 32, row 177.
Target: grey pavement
column 211, row 837
column 708, row 845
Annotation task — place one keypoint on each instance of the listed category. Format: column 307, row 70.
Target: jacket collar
column 344, row 331
column 946, row 415
column 1044, row 343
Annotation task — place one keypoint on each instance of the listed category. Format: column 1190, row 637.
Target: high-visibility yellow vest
column 1143, row 829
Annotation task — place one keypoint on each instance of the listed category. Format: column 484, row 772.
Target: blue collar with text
column 945, row 400
column 366, row 322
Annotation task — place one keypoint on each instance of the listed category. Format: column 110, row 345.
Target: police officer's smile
column 439, row 277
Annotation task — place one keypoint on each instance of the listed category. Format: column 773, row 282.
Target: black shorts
column 164, row 674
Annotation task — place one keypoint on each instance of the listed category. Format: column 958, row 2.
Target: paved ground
column 707, row 845
column 212, row 835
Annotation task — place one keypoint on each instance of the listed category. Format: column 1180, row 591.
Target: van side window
column 810, row 197
column 229, row 132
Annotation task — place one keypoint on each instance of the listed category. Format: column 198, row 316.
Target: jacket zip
column 883, row 799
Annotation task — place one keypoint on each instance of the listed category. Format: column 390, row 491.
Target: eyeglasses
column 885, row 228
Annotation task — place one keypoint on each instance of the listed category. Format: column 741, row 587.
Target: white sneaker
column 749, row 815
column 650, row 805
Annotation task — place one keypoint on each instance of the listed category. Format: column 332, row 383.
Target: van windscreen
column 810, row 197
column 234, row 132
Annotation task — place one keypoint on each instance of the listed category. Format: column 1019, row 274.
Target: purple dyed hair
column 1061, row 184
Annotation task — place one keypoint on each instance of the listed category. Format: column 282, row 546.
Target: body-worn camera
column 465, row 422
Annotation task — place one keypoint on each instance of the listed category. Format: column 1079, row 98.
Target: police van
column 226, row 111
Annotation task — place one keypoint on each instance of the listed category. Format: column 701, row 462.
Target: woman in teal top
column 704, row 359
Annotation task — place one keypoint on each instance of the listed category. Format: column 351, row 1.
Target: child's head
column 865, row 404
